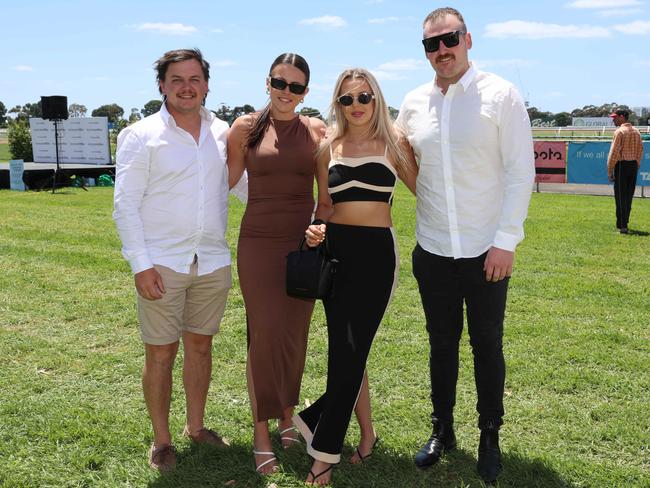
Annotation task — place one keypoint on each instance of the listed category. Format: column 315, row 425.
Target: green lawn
column 4, row 153
column 576, row 343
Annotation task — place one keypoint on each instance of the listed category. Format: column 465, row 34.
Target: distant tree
column 113, row 111
column 77, row 110
column 151, row 107
column 135, row 116
column 311, row 112
column 24, row 112
column 224, row 112
column 562, row 119
column 538, row 117
column 20, row 140
column 239, row 111
column 3, row 115
column 394, row 113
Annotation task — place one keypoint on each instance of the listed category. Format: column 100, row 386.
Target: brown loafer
column 207, row 436
column 162, row 458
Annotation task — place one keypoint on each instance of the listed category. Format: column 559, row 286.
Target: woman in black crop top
column 359, row 161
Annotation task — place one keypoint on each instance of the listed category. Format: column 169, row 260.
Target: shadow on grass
column 640, row 233
column 206, row 466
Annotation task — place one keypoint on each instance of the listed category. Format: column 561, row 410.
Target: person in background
column 471, row 135
column 623, row 165
column 170, row 209
column 359, row 162
column 277, row 148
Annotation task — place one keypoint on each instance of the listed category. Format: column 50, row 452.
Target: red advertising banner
column 550, row 161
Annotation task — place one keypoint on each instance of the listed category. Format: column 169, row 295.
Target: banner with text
column 587, row 163
column 81, row 140
column 550, row 161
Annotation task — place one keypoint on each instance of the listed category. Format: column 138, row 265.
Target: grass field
column 576, row 344
column 4, row 152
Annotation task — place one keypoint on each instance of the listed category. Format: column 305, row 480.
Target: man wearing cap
column 623, row 164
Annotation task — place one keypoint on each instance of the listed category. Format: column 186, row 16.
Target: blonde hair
column 381, row 125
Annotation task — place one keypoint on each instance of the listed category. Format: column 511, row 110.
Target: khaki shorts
column 190, row 303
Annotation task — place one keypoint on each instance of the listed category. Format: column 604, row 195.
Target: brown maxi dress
column 280, row 204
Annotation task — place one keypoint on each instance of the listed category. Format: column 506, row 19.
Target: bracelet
column 318, row 222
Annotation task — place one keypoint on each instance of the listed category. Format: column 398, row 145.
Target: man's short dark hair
column 624, row 113
column 177, row 56
column 440, row 13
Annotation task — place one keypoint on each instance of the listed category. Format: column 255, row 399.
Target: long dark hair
column 261, row 123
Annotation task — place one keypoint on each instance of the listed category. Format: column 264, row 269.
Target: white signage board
column 592, row 122
column 81, row 140
column 16, row 170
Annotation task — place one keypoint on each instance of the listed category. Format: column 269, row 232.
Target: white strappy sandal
column 270, row 460
column 289, row 438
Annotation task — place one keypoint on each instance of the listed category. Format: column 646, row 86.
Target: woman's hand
column 315, row 234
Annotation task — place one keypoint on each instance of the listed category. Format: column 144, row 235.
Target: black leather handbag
column 310, row 272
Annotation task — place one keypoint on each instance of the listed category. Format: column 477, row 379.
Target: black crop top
column 369, row 178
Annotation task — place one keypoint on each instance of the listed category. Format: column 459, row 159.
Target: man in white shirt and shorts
column 171, row 203
column 471, row 135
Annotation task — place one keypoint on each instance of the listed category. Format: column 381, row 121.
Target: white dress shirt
column 171, row 194
column 475, row 151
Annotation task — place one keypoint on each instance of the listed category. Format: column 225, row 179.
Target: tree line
column 20, row 143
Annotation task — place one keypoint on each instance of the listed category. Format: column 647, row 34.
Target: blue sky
column 560, row 54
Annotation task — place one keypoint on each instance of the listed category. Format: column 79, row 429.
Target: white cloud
column 22, row 67
column 173, row 29
column 643, row 63
column 619, row 13
column 639, row 28
column 224, row 63
column 101, row 78
column 217, row 31
column 538, row 30
column 597, row 4
column 384, row 20
column 501, row 63
column 326, row 21
column 321, row 87
column 387, row 75
column 403, row 65
column 373, row 2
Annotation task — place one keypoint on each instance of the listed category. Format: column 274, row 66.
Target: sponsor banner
column 81, row 140
column 592, row 122
column 587, row 163
column 550, row 161
column 16, row 170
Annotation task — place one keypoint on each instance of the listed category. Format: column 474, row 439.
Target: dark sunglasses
column 295, row 88
column 363, row 98
column 450, row 39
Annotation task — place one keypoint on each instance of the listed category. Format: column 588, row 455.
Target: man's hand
column 611, row 176
column 498, row 264
column 149, row 284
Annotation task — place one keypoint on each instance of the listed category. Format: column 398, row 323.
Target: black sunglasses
column 295, row 88
column 450, row 39
column 363, row 98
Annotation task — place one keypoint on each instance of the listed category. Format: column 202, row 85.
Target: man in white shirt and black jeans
column 471, row 134
column 171, row 203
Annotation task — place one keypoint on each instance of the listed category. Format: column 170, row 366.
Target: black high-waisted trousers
column 363, row 285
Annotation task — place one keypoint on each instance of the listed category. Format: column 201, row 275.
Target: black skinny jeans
column 624, row 185
column 445, row 285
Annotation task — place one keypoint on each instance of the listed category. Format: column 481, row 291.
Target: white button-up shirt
column 475, row 151
column 171, row 194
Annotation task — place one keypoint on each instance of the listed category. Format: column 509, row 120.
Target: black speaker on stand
column 55, row 109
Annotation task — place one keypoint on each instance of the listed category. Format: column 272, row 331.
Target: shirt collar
column 169, row 121
column 465, row 81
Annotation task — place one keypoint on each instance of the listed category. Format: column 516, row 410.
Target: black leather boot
column 442, row 439
column 489, row 455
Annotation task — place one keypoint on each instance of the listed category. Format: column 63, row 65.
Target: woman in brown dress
column 277, row 147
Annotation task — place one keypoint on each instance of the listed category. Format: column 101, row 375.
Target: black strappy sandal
column 314, row 477
column 362, row 458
